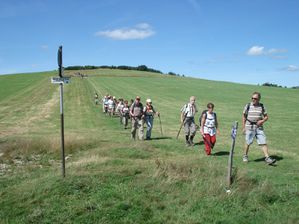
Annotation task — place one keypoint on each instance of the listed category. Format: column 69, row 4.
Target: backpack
column 206, row 113
column 247, row 109
column 134, row 105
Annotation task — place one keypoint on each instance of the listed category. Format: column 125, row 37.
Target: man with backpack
column 188, row 112
column 136, row 112
column 209, row 127
column 254, row 116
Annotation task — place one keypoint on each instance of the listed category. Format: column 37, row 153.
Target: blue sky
column 245, row 41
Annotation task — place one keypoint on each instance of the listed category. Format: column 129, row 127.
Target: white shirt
column 189, row 110
column 111, row 103
column 209, row 126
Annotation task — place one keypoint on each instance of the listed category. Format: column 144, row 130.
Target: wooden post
column 231, row 154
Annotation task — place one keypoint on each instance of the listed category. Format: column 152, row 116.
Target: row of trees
column 272, row 85
column 123, row 67
column 279, row 86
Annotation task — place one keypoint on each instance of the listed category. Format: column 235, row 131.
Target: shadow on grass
column 199, row 143
column 221, row 153
column 277, row 158
column 161, row 138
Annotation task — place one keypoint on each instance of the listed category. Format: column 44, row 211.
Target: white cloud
column 277, row 51
column 273, row 52
column 256, row 50
column 292, row 68
column 140, row 31
column 143, row 26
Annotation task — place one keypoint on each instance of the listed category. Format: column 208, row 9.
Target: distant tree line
column 279, row 86
column 122, row 67
column 175, row 74
column 272, row 85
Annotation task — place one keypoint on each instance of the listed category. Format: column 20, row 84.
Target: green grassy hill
column 111, row 179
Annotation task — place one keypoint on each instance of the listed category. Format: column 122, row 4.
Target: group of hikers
column 133, row 111
column 254, row 116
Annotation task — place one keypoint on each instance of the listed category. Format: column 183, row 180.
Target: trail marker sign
column 60, row 80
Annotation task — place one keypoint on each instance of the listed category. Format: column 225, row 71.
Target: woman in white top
column 209, row 128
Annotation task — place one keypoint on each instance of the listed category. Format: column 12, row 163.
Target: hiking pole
column 160, row 125
column 231, row 154
column 177, row 136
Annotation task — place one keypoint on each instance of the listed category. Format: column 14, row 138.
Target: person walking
column 119, row 108
column 96, row 98
column 111, row 106
column 105, row 103
column 149, row 113
column 209, row 128
column 125, row 114
column 188, row 112
column 254, row 116
column 136, row 112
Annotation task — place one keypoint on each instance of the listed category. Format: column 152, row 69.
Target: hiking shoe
column 269, row 160
column 187, row 143
column 245, row 158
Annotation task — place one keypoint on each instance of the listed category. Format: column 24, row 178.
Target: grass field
column 111, row 179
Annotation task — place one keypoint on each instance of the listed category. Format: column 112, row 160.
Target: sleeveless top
column 209, row 126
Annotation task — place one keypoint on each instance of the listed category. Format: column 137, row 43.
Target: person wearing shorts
column 254, row 116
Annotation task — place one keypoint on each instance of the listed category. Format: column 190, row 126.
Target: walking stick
column 160, row 125
column 177, row 136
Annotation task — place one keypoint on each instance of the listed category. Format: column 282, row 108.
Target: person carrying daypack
column 188, row 112
column 209, row 127
column 149, row 113
column 136, row 112
column 254, row 116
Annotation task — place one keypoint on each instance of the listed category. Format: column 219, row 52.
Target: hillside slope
column 110, row 179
